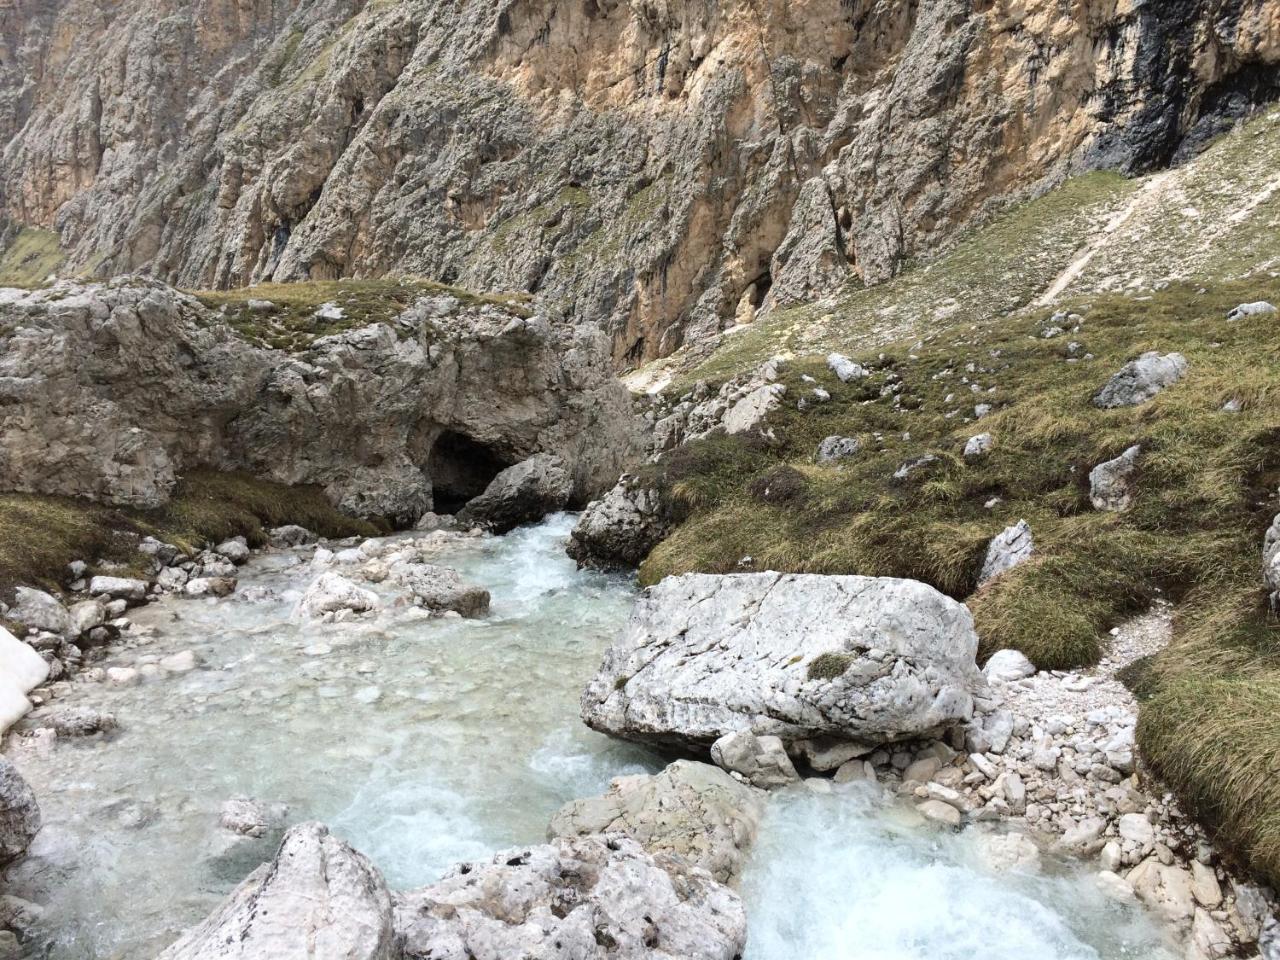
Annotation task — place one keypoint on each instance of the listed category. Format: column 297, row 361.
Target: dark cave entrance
column 460, row 468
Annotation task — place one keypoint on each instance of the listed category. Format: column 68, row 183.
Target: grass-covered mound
column 1206, row 492
column 40, row 535
column 295, row 317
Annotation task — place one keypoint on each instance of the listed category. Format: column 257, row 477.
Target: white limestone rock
column 693, row 810
column 317, row 900
column 1140, row 380
column 576, row 898
column 332, row 592
column 1010, row 547
column 796, row 656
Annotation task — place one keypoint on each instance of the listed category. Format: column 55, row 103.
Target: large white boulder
column 21, row 670
column 317, row 900
column 40, row 611
column 577, row 898
column 797, row 656
column 1140, row 380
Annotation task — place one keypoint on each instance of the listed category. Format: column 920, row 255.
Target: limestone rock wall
column 653, row 166
column 110, row 391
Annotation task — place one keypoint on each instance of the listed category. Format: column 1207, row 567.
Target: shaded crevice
column 460, row 468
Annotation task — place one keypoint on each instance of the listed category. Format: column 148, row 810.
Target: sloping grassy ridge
column 1206, row 494
column 40, row 535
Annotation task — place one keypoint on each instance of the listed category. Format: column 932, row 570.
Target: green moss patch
column 30, row 258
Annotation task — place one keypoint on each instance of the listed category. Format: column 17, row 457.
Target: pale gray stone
column 763, row 761
column 796, row 656
column 1111, row 482
column 621, row 528
column 19, row 813
column 693, row 810
column 331, row 592
column 1140, row 380
column 574, row 898
column 1014, row 545
column 521, row 494
column 317, row 899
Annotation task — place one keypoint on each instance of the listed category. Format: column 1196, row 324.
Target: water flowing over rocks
column 590, row 897
column 115, row 389
column 797, row 656
column 692, row 810
column 318, row 898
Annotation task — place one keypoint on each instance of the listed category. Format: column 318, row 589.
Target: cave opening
column 460, row 468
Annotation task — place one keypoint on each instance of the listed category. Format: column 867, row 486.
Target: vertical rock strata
column 656, row 167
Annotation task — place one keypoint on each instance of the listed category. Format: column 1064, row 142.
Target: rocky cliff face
column 655, row 167
column 111, row 391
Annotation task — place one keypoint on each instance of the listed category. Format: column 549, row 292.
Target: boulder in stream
column 332, row 592
column 798, row 656
column 574, row 898
column 440, row 588
column 691, row 809
column 317, row 900
column 620, row 528
column 521, row 494
column 19, row 813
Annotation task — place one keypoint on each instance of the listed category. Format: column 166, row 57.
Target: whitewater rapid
column 428, row 740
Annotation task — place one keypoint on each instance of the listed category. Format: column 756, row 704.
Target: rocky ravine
column 658, row 167
column 111, row 391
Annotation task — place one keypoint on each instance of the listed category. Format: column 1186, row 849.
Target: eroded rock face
column 318, row 899
column 797, row 656
column 620, row 528
column 109, row 391
column 577, row 898
column 523, row 146
column 693, row 810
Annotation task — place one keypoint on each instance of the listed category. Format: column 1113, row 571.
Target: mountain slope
column 657, row 168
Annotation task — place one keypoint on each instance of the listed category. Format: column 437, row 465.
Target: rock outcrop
column 755, row 150
column 578, row 898
column 318, row 899
column 693, row 810
column 797, row 656
column 110, row 391
column 619, row 529
column 1011, row 547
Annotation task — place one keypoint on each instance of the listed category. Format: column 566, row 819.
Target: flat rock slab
column 797, row 656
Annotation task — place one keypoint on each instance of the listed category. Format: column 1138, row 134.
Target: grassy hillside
column 1146, row 265
column 40, row 535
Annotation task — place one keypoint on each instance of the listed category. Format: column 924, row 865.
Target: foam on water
column 424, row 741
column 852, row 877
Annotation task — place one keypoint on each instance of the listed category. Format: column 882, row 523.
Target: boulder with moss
column 798, row 656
